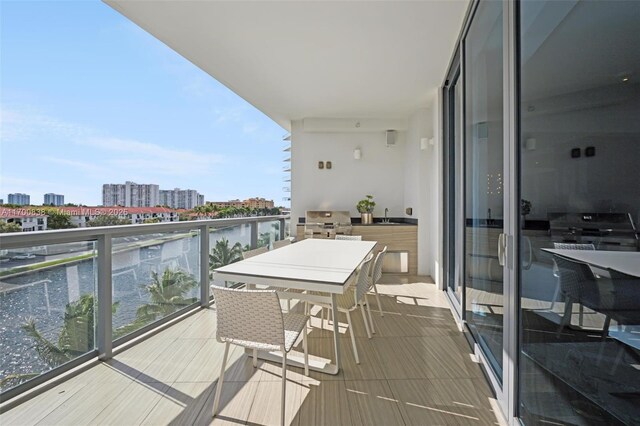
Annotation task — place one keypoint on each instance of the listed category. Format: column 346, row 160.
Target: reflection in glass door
column 483, row 183
column 453, row 187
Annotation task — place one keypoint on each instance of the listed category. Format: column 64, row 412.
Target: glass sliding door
column 453, row 241
column 483, row 184
column 579, row 110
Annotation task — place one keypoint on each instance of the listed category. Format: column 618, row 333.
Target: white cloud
column 25, row 125
column 155, row 158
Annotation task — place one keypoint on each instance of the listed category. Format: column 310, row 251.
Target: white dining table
column 627, row 262
column 325, row 266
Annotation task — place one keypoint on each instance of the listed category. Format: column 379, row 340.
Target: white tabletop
column 325, row 262
column 627, row 262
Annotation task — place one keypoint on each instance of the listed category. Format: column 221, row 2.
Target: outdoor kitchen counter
column 401, row 239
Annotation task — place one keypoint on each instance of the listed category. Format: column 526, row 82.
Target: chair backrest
column 572, row 246
column 250, row 253
column 362, row 280
column 248, row 315
column 172, row 250
column 576, row 278
column 626, row 290
column 281, row 243
column 377, row 266
column 349, row 237
column 125, row 259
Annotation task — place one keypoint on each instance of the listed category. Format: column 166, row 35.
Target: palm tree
column 222, row 254
column 167, row 296
column 76, row 336
column 78, row 320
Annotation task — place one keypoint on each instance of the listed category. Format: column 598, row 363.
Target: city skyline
column 115, row 104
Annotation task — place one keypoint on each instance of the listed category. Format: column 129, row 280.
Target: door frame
column 505, row 390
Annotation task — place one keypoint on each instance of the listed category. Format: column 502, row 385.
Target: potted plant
column 365, row 207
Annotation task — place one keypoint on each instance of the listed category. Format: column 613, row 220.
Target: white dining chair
column 281, row 243
column 353, row 297
column 251, row 253
column 349, row 237
column 376, row 274
column 253, row 319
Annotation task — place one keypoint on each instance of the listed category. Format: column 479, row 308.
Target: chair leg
column 605, row 329
column 216, row 400
column 255, row 358
column 330, row 316
column 305, row 346
column 353, row 338
column 366, row 321
column 566, row 318
column 284, row 386
column 581, row 318
column 322, row 318
column 375, row 289
column 366, row 299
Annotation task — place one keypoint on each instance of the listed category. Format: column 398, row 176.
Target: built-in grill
column 326, row 224
column 606, row 231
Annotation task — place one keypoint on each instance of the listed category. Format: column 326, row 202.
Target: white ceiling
column 293, row 60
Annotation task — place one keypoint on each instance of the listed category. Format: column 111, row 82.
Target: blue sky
column 87, row 98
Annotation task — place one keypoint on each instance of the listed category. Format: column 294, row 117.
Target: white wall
column 398, row 177
column 380, row 171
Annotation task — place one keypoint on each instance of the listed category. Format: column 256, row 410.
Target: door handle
column 502, row 245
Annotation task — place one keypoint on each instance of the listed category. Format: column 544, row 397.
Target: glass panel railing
column 153, row 276
column 268, row 232
column 226, row 245
column 47, row 308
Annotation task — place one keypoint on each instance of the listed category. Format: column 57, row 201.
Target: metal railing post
column 254, row 234
column 204, row 266
column 281, row 222
column 105, row 298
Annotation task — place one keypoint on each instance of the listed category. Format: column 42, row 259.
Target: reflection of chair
column 566, row 246
column 353, row 296
column 253, row 319
column 126, row 262
column 349, row 237
column 626, row 298
column 579, row 285
column 281, row 243
column 171, row 253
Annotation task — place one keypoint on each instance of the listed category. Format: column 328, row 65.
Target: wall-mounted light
column 530, row 144
column 426, row 142
column 357, row 154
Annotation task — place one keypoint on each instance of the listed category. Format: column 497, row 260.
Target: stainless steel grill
column 606, row 231
column 326, row 224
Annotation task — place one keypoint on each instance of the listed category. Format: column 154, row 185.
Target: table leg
column 336, row 329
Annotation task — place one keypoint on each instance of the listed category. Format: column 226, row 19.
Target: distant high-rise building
column 51, row 199
column 130, row 194
column 20, row 199
column 181, row 198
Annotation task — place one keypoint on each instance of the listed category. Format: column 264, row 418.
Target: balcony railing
column 69, row 296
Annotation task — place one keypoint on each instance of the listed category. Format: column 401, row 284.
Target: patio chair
column 376, row 274
column 251, row 253
column 281, row 243
column 353, row 296
column 253, row 319
column 349, row 237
